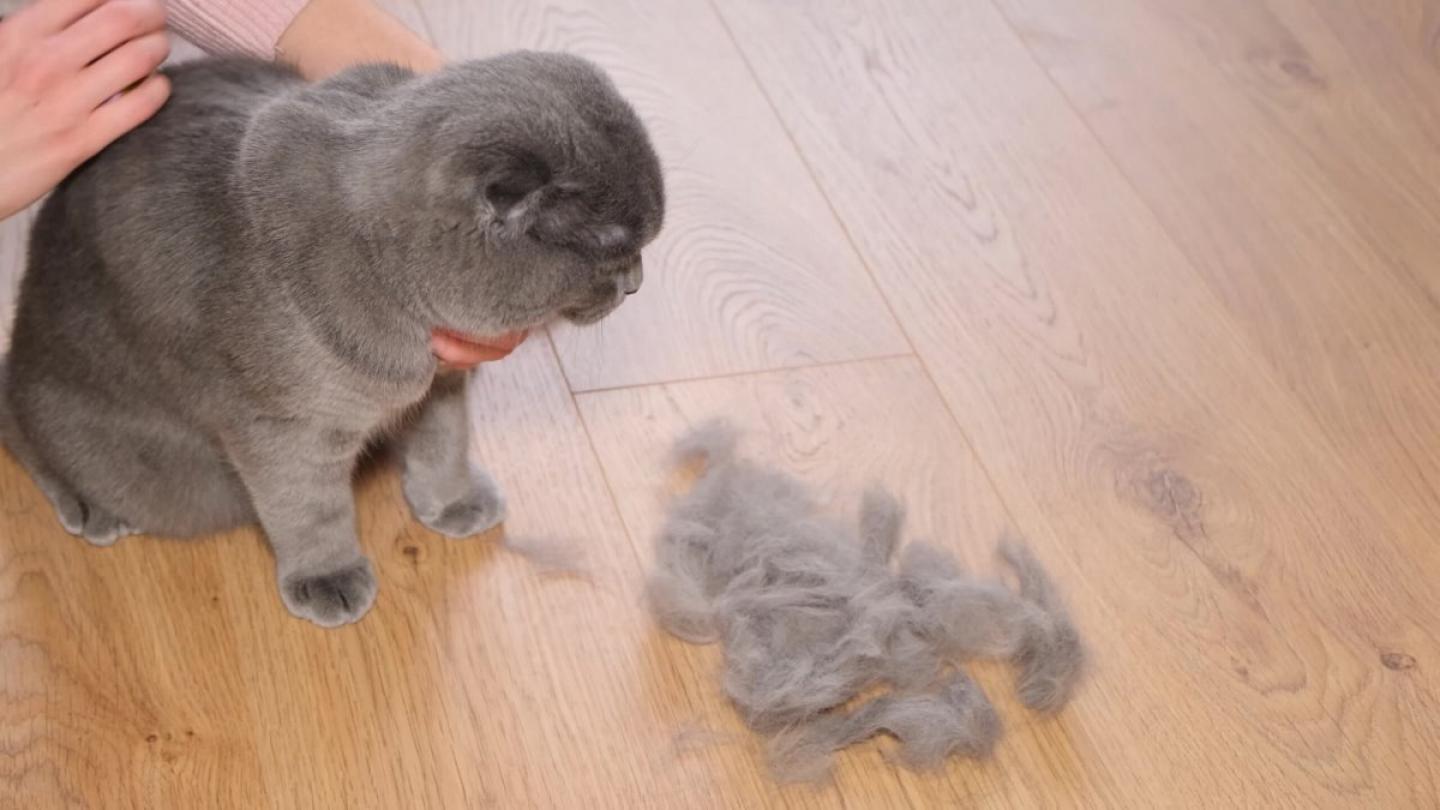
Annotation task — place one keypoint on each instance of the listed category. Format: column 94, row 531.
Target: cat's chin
column 586, row 316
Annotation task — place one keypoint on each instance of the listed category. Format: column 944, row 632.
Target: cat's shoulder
column 369, row 79
column 213, row 92
column 220, row 71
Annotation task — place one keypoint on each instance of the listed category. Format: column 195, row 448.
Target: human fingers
column 46, row 17
column 105, row 29
column 115, row 118
column 116, row 71
column 37, row 66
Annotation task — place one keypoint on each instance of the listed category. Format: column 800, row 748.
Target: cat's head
column 538, row 187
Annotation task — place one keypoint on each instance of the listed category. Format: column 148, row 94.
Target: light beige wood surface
column 1118, row 406
column 1316, row 161
column 1149, row 283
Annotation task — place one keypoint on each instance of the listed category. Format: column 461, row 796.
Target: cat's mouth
column 590, row 313
column 459, row 350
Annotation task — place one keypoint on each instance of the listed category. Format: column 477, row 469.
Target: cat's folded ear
column 523, row 197
column 514, row 190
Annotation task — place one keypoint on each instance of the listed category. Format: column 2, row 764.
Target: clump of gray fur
column 811, row 613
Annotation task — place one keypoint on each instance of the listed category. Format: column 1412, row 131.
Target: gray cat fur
column 224, row 309
column 811, row 613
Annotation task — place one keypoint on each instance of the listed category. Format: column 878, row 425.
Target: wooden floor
column 1154, row 283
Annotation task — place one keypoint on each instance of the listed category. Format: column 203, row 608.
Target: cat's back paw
column 332, row 598
column 84, row 520
column 479, row 507
column 105, row 530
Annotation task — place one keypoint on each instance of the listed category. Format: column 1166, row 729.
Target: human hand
column 65, row 66
column 455, row 350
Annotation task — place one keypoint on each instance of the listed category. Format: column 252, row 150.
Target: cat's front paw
column 332, row 598
column 97, row 526
column 476, row 507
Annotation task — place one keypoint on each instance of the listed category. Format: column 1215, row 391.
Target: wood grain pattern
column 751, row 272
column 1120, row 408
column 1302, row 189
column 1166, row 268
column 841, row 429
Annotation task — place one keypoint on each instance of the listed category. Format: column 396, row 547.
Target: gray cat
column 225, row 308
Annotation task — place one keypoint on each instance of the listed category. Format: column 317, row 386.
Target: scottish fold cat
column 225, row 308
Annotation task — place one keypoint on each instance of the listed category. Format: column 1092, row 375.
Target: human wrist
column 328, row 36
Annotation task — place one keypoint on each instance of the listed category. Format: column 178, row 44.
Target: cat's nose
column 630, row 281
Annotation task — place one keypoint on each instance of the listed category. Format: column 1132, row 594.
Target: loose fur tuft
column 955, row 720
column 881, row 517
column 1051, row 655
column 712, row 443
column 811, row 613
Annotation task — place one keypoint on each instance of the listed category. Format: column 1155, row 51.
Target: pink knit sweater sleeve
column 234, row 26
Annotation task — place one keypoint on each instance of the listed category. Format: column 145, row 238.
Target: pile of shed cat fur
column 811, row 613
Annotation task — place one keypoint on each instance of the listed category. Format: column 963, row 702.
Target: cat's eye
column 504, row 196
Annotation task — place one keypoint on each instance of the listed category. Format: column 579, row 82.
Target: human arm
column 318, row 37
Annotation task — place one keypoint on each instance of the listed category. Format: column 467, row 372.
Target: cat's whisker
column 600, row 336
